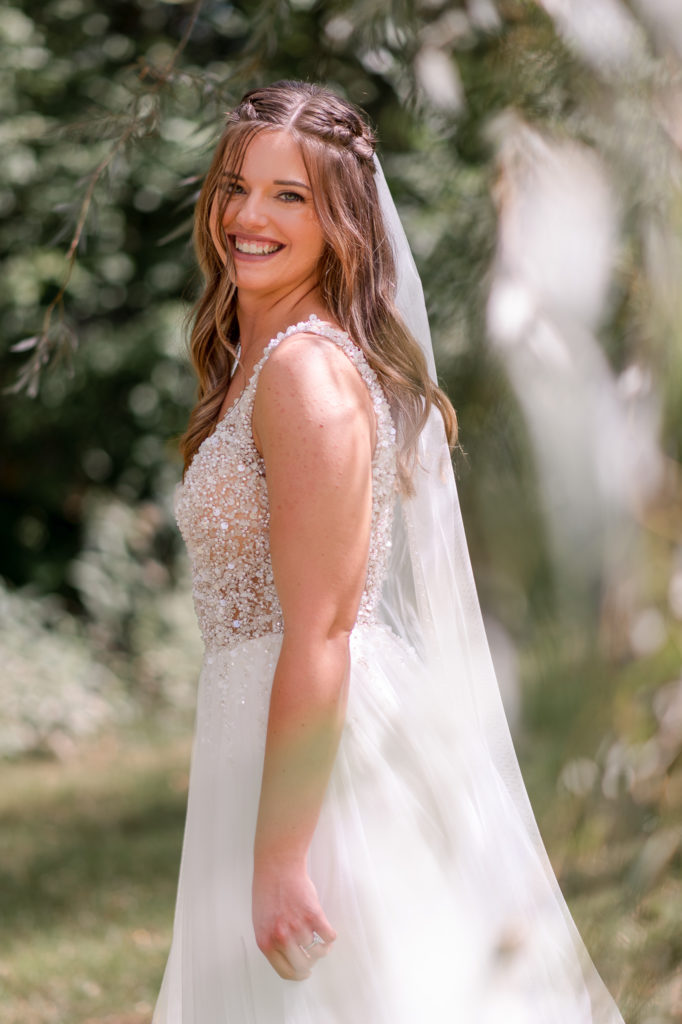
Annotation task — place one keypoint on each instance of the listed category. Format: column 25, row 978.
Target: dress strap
column 313, row 325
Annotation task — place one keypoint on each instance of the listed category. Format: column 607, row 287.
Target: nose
column 251, row 212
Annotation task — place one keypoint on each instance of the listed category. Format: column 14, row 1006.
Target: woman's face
column 269, row 222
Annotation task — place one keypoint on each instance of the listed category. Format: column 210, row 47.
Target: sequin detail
column 223, row 514
column 234, row 693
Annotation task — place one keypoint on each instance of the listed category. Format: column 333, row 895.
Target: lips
column 255, row 245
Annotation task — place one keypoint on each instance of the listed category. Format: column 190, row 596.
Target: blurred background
column 534, row 150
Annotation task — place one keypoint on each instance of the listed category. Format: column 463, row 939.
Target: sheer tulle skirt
column 442, row 910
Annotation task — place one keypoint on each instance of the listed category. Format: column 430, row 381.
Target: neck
column 261, row 317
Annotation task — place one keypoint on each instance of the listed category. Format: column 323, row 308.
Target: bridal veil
column 430, row 599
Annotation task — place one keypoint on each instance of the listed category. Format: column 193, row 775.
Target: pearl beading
column 223, row 513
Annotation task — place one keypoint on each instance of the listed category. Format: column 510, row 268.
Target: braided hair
column 356, row 271
column 315, row 111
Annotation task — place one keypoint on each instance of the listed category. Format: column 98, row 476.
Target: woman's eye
column 291, row 197
column 228, row 184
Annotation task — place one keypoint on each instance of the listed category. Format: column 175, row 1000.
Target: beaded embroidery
column 223, row 514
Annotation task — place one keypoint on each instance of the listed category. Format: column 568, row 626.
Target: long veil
column 430, row 599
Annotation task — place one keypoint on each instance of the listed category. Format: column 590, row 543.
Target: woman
column 356, row 821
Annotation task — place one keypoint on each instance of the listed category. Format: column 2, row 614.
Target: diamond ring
column 316, row 940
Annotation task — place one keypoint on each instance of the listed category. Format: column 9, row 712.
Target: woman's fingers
column 320, row 940
column 290, row 966
column 315, row 947
column 295, row 960
column 300, row 959
column 290, row 927
column 323, row 928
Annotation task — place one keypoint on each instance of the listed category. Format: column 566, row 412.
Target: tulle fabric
column 430, row 598
column 427, row 857
column 419, row 858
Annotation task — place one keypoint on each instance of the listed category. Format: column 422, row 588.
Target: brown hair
column 356, row 270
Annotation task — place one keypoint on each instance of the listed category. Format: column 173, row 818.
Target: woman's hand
column 286, row 917
column 314, row 423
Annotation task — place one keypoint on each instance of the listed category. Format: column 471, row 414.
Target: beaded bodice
column 223, row 514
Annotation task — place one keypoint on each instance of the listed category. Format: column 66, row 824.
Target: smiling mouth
column 253, row 248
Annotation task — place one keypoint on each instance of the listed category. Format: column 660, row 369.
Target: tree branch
column 61, row 338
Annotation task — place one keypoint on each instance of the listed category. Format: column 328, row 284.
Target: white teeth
column 255, row 248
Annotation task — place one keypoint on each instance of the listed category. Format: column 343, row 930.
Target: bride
column 359, row 847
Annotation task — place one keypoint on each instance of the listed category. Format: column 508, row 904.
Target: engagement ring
column 316, row 939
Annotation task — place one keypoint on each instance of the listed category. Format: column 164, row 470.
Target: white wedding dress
column 420, row 860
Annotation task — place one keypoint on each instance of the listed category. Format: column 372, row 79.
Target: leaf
column 25, row 345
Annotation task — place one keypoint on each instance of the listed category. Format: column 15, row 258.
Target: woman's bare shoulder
column 311, row 368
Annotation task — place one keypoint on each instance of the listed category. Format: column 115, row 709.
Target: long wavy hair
column 356, row 271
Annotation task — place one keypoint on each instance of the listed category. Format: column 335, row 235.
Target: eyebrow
column 296, row 184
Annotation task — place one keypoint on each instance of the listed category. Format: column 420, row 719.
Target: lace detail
column 223, row 514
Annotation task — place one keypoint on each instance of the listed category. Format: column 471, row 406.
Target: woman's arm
column 314, row 423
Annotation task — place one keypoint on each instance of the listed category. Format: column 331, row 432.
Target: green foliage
column 133, row 651
column 108, row 117
column 75, row 697
column 108, row 122
column 89, row 89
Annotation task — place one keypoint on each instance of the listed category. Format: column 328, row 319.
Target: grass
column 90, row 853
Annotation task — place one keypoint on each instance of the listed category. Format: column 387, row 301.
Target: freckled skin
column 314, row 425
column 283, row 214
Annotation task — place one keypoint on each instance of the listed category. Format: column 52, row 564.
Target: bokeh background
column 534, row 149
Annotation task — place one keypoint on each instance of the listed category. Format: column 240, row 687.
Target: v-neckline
column 298, row 326
column 237, row 399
